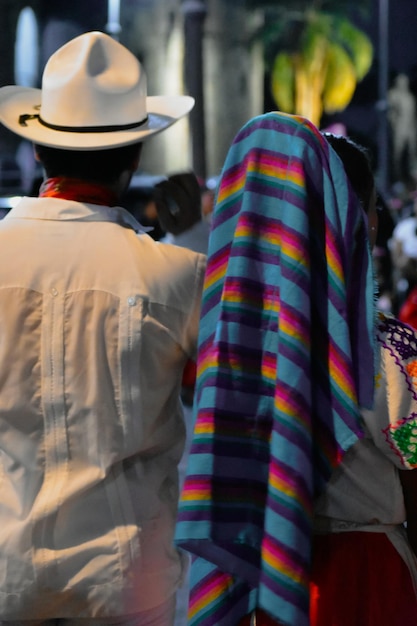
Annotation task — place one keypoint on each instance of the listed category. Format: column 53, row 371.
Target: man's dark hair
column 357, row 163
column 102, row 166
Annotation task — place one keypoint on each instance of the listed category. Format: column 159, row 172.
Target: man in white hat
column 97, row 321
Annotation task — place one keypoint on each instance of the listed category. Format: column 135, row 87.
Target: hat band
column 23, row 119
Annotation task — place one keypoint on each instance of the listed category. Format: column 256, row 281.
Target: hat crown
column 93, row 81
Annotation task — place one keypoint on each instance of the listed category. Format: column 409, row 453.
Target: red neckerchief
column 78, row 190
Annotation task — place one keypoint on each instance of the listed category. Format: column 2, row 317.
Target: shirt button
column 54, row 291
column 131, row 301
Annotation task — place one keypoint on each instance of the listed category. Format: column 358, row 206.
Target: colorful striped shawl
column 285, row 357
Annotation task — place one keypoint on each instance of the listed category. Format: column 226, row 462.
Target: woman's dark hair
column 102, row 166
column 357, row 163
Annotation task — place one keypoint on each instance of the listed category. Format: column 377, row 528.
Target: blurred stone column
column 234, row 75
column 382, row 104
column 194, row 12
column 9, row 12
column 113, row 26
column 153, row 31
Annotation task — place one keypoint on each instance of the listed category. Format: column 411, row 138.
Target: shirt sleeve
column 192, row 326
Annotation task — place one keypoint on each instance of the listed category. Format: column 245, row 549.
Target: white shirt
column 365, row 488
column 96, row 324
column 364, row 493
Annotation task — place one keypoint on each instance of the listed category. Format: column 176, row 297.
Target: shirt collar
column 57, row 209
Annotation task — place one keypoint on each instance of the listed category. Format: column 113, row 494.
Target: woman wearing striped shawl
column 286, row 358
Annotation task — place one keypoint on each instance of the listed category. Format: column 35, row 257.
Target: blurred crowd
column 395, row 253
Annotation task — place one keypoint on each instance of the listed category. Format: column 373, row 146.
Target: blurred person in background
column 190, row 226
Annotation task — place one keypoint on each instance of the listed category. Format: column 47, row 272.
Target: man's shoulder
column 172, row 253
column 170, row 265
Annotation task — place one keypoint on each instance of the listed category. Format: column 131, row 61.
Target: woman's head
column 284, row 197
column 358, row 168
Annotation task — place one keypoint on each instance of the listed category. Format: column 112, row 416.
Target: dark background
column 362, row 117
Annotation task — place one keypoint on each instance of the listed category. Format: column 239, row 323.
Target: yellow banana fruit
column 340, row 81
column 321, row 72
column 359, row 46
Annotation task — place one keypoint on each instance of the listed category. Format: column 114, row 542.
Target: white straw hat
column 93, row 96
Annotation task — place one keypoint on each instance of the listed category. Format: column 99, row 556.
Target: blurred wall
column 232, row 75
column 232, row 66
column 154, row 31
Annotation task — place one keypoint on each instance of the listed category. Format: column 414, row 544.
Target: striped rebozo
column 285, row 360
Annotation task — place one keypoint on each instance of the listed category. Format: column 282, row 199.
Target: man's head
column 93, row 97
column 100, row 166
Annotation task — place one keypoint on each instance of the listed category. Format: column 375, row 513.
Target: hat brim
column 163, row 111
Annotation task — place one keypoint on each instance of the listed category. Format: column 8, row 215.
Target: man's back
column 98, row 323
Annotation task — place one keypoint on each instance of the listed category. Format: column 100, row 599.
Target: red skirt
column 359, row 579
